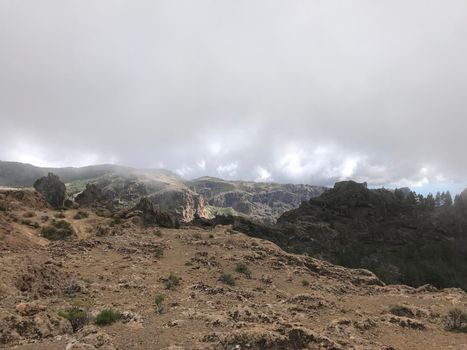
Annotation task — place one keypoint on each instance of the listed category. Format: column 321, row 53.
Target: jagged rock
column 183, row 203
column 52, row 189
column 153, row 216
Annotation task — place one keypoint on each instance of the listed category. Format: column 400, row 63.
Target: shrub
column 107, row 316
column 227, row 279
column 28, row 222
column 188, row 263
column 456, row 321
column 242, row 268
column 159, row 303
column 59, row 215
column 305, row 283
column 159, row 252
column 77, row 317
column 400, row 310
column 81, row 215
column 3, row 206
column 157, row 233
column 172, row 281
column 115, row 221
column 58, row 230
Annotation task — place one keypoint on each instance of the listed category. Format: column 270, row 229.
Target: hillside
column 194, row 288
column 388, row 232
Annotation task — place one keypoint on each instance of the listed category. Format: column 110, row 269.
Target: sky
column 286, row 91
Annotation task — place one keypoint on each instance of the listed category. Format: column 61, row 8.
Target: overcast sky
column 291, row 91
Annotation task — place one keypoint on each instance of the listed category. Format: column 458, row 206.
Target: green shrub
column 242, row 268
column 305, row 283
column 77, row 317
column 157, row 233
column 58, row 230
column 81, row 215
column 159, row 303
column 456, row 321
column 188, row 263
column 59, row 215
column 227, row 279
column 107, row 316
column 172, row 281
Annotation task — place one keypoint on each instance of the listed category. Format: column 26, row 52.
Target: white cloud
column 263, row 175
column 228, row 171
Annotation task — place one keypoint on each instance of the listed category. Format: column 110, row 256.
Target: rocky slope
column 261, row 202
column 194, row 288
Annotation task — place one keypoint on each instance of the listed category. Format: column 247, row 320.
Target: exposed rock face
column 183, row 203
column 154, row 216
column 261, row 202
column 52, row 189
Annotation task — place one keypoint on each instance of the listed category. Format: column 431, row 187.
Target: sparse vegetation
column 59, row 215
column 29, row 223
column 227, row 279
column 305, row 283
column 81, row 215
column 172, row 281
column 85, row 304
column 159, row 252
column 243, row 269
column 107, row 316
column 116, row 220
column 157, row 233
column 159, row 303
column 77, row 317
column 399, row 310
column 188, row 263
column 58, row 230
column 456, row 321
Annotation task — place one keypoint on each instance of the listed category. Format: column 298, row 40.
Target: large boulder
column 152, row 215
column 52, row 189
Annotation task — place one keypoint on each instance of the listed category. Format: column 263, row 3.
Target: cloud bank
column 288, row 91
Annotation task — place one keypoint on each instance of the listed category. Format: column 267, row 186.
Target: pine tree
column 448, row 199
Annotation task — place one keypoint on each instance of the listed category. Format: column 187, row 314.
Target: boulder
column 52, row 189
column 154, row 216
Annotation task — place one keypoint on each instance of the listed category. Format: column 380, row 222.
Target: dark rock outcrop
column 91, row 196
column 52, row 189
column 154, row 216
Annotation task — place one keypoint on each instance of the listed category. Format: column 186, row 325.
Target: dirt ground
column 279, row 301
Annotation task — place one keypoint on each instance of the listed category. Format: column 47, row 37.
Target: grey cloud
column 299, row 91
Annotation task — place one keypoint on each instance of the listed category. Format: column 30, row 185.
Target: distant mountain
column 24, row 175
column 262, row 202
column 205, row 197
